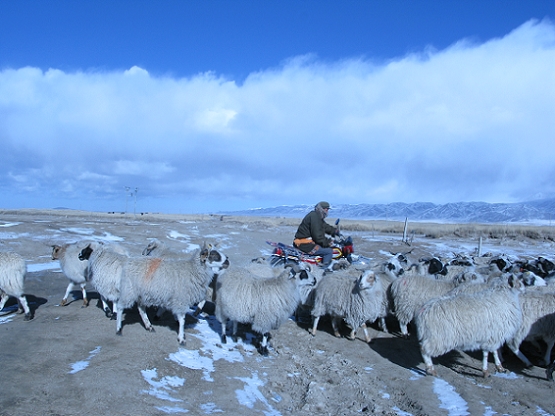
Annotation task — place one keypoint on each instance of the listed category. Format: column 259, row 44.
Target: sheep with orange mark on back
column 173, row 284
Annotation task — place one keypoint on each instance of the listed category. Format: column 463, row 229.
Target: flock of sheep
column 468, row 303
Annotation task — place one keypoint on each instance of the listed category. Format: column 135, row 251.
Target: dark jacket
column 314, row 226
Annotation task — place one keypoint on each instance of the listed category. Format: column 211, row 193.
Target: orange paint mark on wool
column 152, row 267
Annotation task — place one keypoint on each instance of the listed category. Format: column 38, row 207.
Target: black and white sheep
column 174, row 284
column 12, row 281
column 264, row 302
column 74, row 269
column 355, row 301
column 104, row 271
column 479, row 321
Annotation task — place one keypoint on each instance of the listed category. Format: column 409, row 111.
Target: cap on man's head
column 324, row 204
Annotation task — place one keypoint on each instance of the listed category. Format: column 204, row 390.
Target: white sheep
column 484, row 320
column 265, row 303
column 218, row 261
column 104, row 272
column 12, row 281
column 74, row 269
column 355, row 301
column 412, row 290
column 174, row 284
column 538, row 321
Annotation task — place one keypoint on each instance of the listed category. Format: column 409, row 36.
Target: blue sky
column 205, row 106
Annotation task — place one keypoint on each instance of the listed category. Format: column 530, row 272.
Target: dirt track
column 68, row 360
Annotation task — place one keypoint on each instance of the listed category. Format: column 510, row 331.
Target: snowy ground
column 68, row 360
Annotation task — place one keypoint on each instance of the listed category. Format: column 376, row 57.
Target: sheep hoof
column 223, row 338
column 28, row 317
column 181, row 342
column 85, row 303
column 337, row 334
column 197, row 312
column 108, row 313
column 64, row 302
column 485, row 373
column 431, row 371
column 500, row 369
column 263, row 351
column 112, row 316
column 549, row 374
column 150, row 329
column 119, row 333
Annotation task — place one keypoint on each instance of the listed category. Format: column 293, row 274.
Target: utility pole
column 135, row 204
column 127, row 188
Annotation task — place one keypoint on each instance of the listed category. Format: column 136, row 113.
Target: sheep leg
column 3, row 299
column 85, row 300
column 547, row 356
column 367, row 336
column 115, row 310
column 223, row 336
column 335, row 327
column 430, row 370
column 68, row 291
column 198, row 310
column 497, row 362
column 522, row 357
column 23, row 303
column 314, row 326
column 118, row 321
column 485, row 371
column 383, row 326
column 144, row 317
column 106, row 308
column 263, row 349
column 404, row 330
column 549, row 371
column 234, row 331
column 181, row 333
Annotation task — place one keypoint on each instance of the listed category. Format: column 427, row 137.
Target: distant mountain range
column 540, row 211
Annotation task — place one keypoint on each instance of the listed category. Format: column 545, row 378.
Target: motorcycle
column 342, row 249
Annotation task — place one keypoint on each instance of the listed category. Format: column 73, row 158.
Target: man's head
column 324, row 205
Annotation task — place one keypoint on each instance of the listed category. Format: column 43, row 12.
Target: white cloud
column 471, row 122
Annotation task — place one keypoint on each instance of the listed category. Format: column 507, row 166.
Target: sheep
column 265, row 303
column 538, row 321
column 355, row 301
column 483, row 320
column 396, row 266
column 174, row 284
column 104, row 272
column 410, row 292
column 12, row 279
column 218, row 261
column 74, row 269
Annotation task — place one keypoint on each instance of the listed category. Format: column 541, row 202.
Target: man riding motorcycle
column 311, row 234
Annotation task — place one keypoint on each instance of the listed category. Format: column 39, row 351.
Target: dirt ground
column 69, row 361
